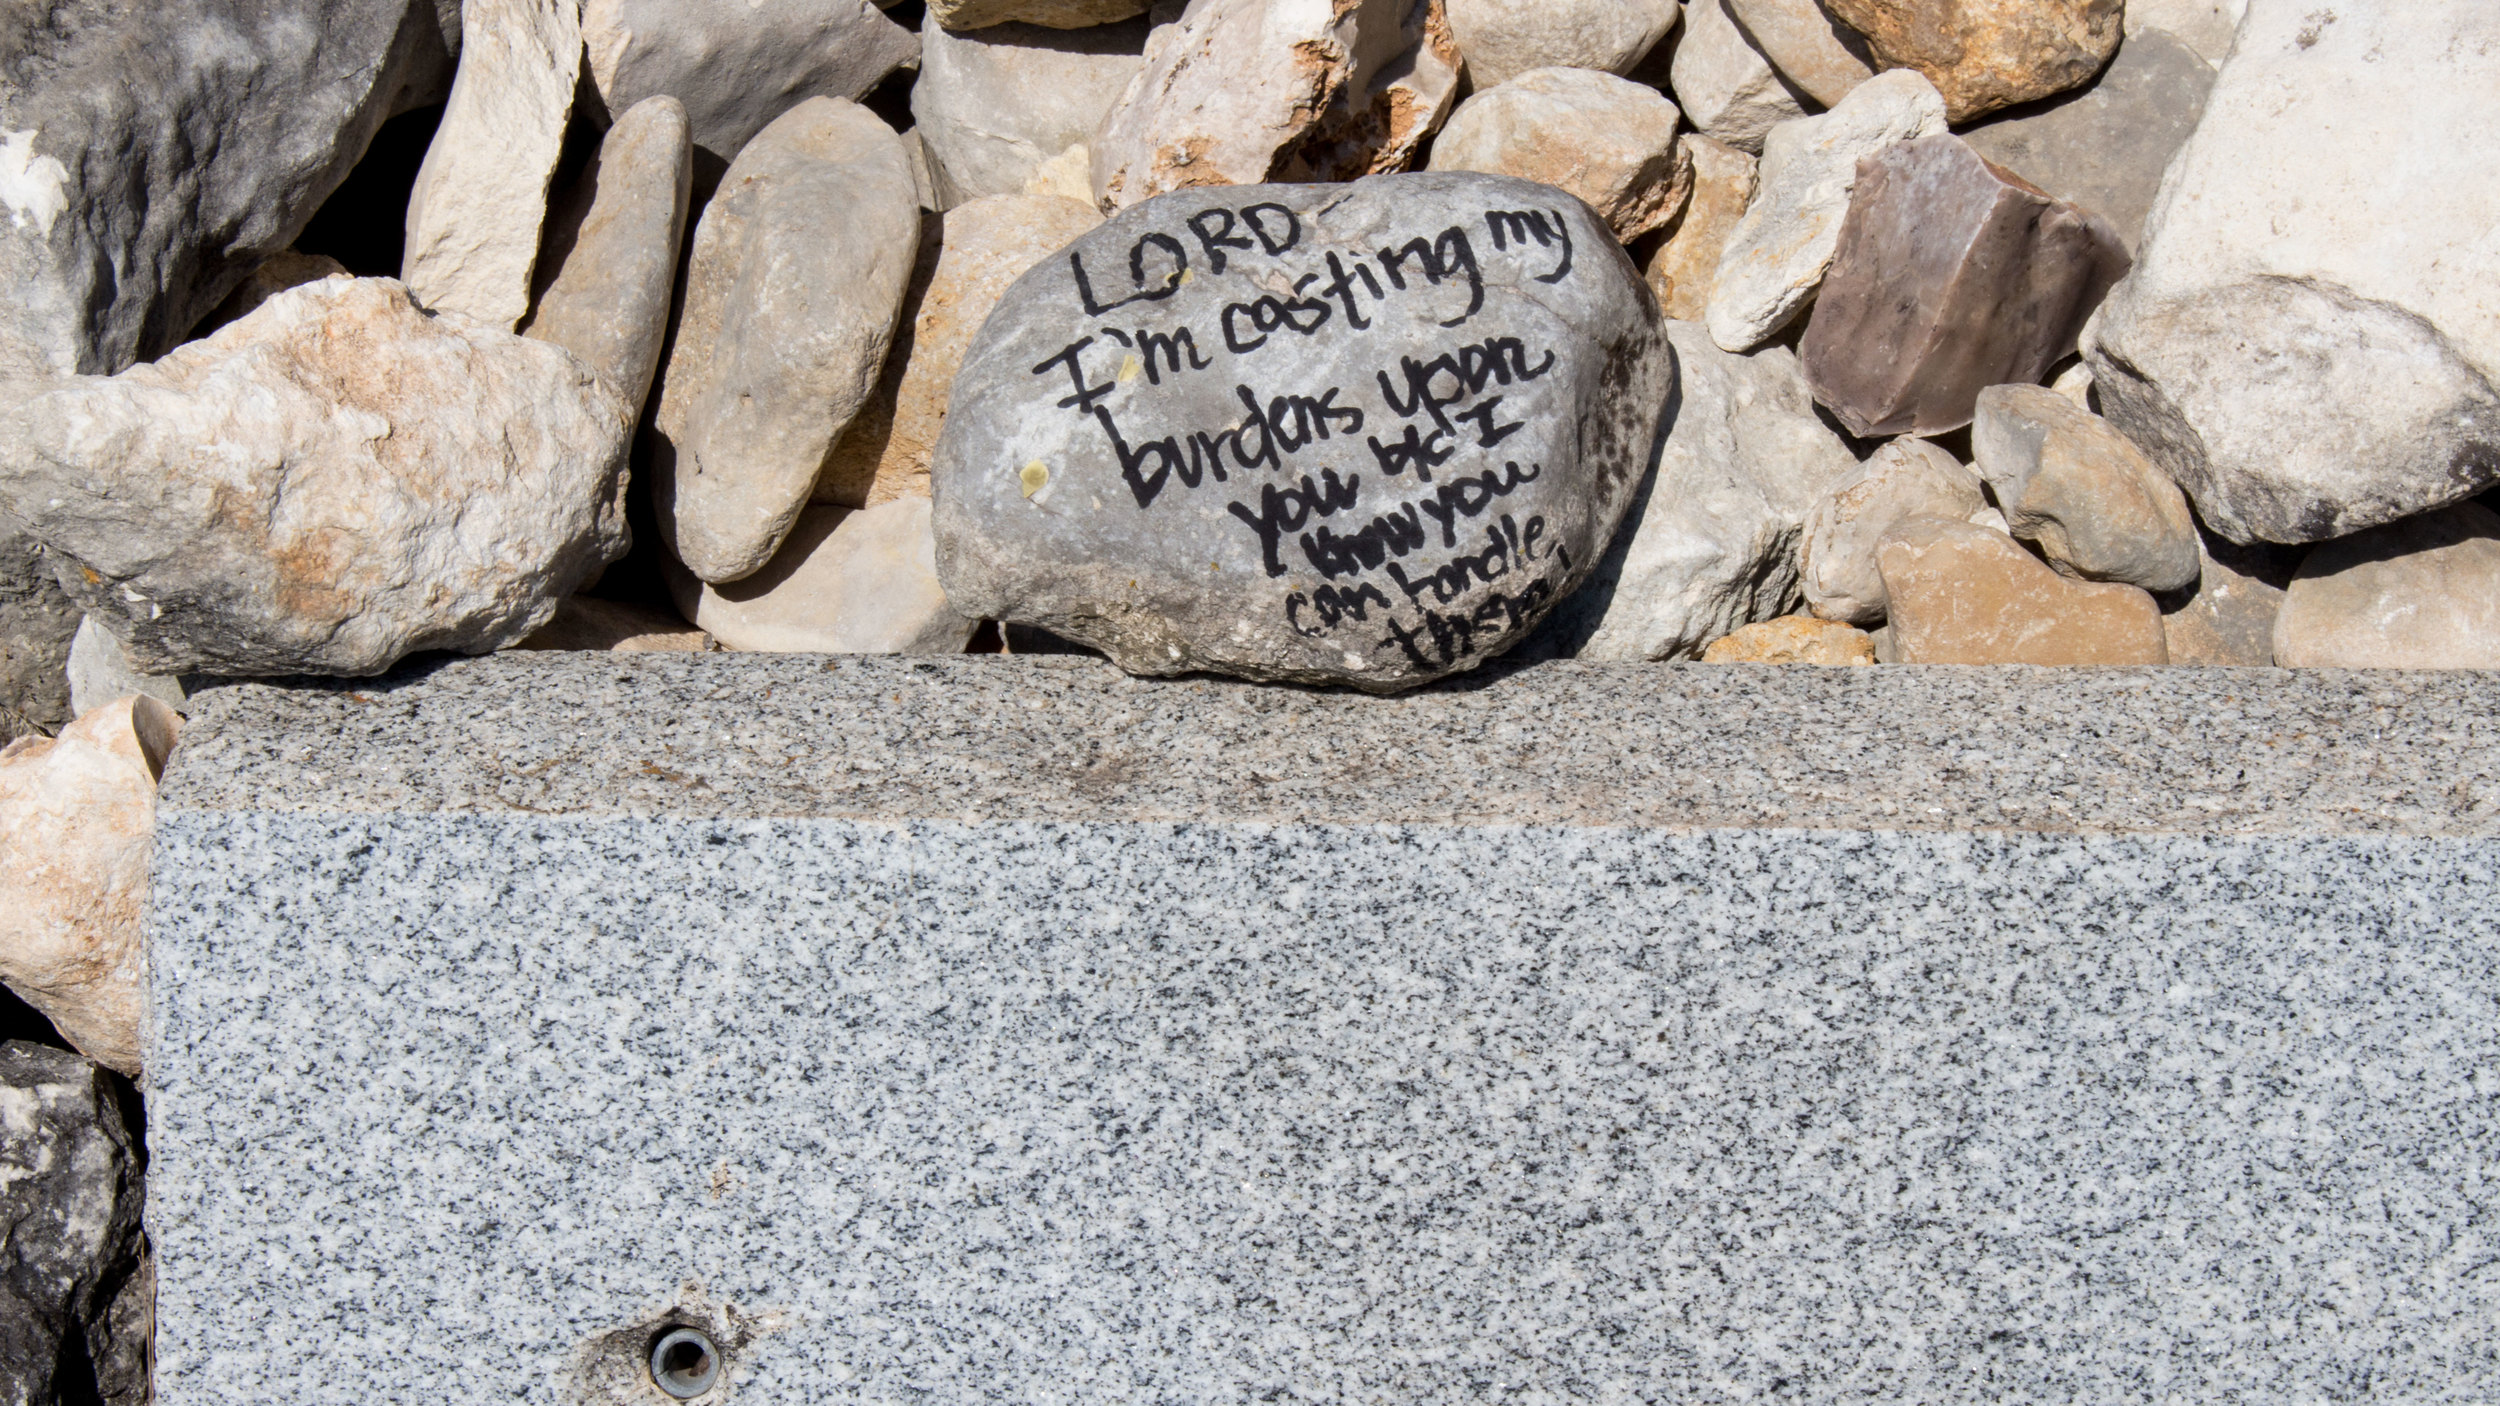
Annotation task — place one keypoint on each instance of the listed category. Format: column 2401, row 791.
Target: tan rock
column 1069, row 175
column 1794, row 639
column 2229, row 621
column 1607, row 140
column 1503, row 39
column 983, row 248
column 1962, row 594
column 609, row 265
column 481, row 197
column 1727, row 89
column 994, row 105
column 801, row 263
column 1809, row 47
column 1988, row 54
column 588, row 623
column 1686, row 266
column 77, row 817
column 1237, row 92
column 1904, row 479
column 2423, row 593
column 846, row 582
column 1055, row 14
column 2099, row 508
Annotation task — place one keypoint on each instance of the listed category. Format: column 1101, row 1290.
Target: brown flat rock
column 1970, row 595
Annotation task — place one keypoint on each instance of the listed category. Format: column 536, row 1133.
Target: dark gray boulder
column 152, row 154
column 75, row 1291
column 37, row 622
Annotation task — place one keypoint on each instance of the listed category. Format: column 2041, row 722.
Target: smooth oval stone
column 1363, row 434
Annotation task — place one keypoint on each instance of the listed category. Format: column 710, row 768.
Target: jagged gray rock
column 331, row 483
column 1388, row 476
column 2309, row 342
column 73, row 1276
column 738, row 65
column 38, row 623
column 1712, row 545
column 800, row 266
column 140, row 181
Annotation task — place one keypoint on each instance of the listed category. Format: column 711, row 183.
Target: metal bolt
column 684, row 1363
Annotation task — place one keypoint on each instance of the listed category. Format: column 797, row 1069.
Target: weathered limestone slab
column 1503, row 39
column 1011, row 1029
column 738, row 65
column 1961, row 593
column 995, row 105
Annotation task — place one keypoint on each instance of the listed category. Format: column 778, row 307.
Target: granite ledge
column 1684, row 747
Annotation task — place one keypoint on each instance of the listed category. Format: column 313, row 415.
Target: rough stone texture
column 1607, row 140
column 984, row 247
column 588, row 623
column 1727, row 89
column 1951, row 276
column 608, row 270
column 1989, row 54
column 2229, row 620
column 2105, row 148
column 1904, row 479
column 141, row 177
column 480, row 202
column 2098, row 508
column 799, row 270
column 1389, row 477
column 101, row 673
column 995, row 105
column 738, row 65
column 1811, row 49
column 2205, row 26
column 1091, row 1037
column 2308, row 343
column 71, row 1251
column 847, row 582
column 1776, row 259
column 1237, row 92
column 280, row 271
column 331, row 483
column 1712, row 543
column 1794, row 639
column 1057, row 14
column 1503, row 39
column 37, row 623
column 1964, row 594
column 1686, row 266
column 2419, row 594
column 77, row 813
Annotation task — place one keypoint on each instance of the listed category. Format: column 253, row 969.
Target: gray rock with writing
column 738, row 65
column 151, row 155
column 1362, row 434
column 1713, row 544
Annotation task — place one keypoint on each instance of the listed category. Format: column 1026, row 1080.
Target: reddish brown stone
column 1952, row 275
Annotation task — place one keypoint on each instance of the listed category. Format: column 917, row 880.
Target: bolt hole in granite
column 1007, row 1028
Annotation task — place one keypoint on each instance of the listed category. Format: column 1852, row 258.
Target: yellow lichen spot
column 1131, row 368
column 1036, row 477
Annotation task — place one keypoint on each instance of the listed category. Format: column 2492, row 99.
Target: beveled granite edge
column 1690, row 747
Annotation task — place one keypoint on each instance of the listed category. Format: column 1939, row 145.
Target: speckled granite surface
column 1009, row 1032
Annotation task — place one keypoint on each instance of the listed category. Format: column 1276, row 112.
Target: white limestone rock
column 1726, row 87
column 995, row 105
column 609, row 267
column 481, row 197
column 100, row 672
column 1607, row 140
column 2423, row 593
column 334, row 482
column 1713, row 544
column 1363, row 434
column 1776, row 259
column 153, row 154
column 799, row 270
column 738, row 65
column 1503, row 39
column 2309, row 341
column 1817, row 53
column 1903, row 479
column 848, row 581
column 77, row 818
column 2203, row 25
column 1239, row 92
